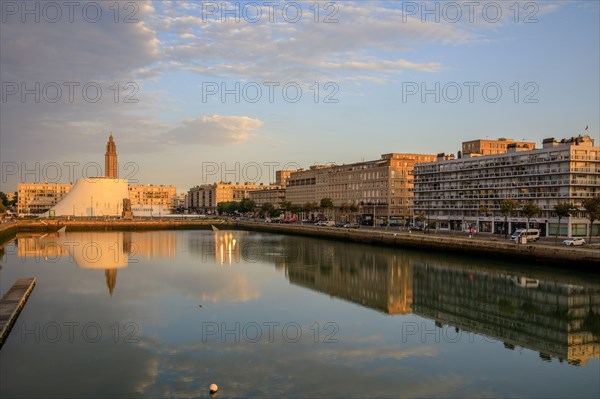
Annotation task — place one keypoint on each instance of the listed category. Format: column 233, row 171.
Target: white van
column 531, row 234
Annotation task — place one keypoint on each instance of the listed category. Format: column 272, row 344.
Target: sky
column 198, row 92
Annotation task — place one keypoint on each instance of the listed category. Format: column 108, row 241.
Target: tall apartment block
column 466, row 192
column 381, row 188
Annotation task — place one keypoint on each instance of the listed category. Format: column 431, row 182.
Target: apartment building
column 466, row 192
column 163, row 196
column 272, row 194
column 206, row 197
column 381, row 188
column 490, row 147
column 36, row 198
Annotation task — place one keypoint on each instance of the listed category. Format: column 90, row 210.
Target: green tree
column 421, row 217
column 3, row 199
column 531, row 209
column 326, row 203
column 310, row 207
column 2, row 208
column 507, row 208
column 592, row 208
column 344, row 208
column 562, row 210
column 266, row 208
column 286, row 206
column 228, row 207
column 247, row 205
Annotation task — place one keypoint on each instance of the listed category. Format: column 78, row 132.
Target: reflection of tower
column 110, row 159
column 111, row 279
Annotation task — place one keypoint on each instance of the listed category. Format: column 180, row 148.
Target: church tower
column 110, row 159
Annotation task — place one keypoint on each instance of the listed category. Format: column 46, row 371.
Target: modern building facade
column 466, row 192
column 381, row 188
column 490, row 147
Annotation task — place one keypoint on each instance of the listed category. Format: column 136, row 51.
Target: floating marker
column 213, row 388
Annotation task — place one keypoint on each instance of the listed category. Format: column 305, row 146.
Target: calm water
column 165, row 314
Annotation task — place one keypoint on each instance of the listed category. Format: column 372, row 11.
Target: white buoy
column 213, row 388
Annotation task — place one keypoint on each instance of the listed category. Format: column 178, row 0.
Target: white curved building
column 93, row 196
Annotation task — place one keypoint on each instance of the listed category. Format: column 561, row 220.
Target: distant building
column 206, row 197
column 381, row 188
column 153, row 195
column 274, row 195
column 490, row 147
column 148, row 200
column 463, row 193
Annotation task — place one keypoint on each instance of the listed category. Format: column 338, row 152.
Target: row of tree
column 591, row 206
column 267, row 209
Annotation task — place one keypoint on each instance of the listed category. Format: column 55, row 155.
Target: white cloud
column 214, row 130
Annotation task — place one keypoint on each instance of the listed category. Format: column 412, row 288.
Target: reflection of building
column 106, row 250
column 383, row 187
column 468, row 191
column 379, row 281
column 556, row 319
column 39, row 197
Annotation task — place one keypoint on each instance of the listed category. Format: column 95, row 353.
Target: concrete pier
column 11, row 304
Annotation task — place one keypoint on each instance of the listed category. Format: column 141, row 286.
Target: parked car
column 353, row 225
column 574, row 241
column 531, row 234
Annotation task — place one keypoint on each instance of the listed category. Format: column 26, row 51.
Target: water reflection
column 556, row 319
column 536, row 311
column 106, row 250
column 555, row 314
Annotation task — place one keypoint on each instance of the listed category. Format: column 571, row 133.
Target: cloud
column 214, row 130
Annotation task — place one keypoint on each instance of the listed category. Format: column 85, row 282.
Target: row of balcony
column 510, row 185
column 440, row 176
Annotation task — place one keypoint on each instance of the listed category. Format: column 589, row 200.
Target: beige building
column 490, row 147
column 466, row 192
column 36, row 198
column 206, row 197
column 153, row 195
column 272, row 194
column 281, row 177
column 381, row 188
